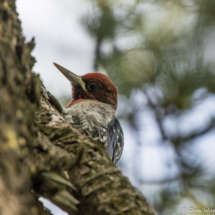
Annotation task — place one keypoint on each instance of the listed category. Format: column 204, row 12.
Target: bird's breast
column 89, row 115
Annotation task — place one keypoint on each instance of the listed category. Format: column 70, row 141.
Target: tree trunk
column 40, row 154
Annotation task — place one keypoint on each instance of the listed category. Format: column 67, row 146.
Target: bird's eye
column 93, row 87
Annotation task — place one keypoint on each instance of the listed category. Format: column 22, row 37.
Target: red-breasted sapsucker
column 93, row 108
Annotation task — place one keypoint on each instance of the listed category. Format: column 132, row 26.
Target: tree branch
column 102, row 188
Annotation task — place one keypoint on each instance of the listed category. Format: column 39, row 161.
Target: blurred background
column 161, row 56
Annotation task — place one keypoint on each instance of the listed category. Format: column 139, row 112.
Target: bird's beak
column 73, row 78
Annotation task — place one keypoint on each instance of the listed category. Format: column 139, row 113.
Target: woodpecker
column 92, row 109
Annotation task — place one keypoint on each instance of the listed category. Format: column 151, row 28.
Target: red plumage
column 107, row 92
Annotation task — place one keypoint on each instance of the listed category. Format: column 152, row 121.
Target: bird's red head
column 95, row 86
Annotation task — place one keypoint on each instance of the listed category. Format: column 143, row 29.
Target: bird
column 93, row 108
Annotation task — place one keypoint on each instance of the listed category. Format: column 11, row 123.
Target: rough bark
column 40, row 154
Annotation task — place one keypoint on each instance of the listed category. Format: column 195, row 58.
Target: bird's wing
column 115, row 139
column 111, row 135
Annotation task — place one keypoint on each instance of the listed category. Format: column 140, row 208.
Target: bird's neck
column 73, row 102
column 88, row 101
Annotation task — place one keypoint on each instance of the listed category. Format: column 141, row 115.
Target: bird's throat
column 73, row 102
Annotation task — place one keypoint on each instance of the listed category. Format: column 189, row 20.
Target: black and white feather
column 99, row 120
column 116, row 138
